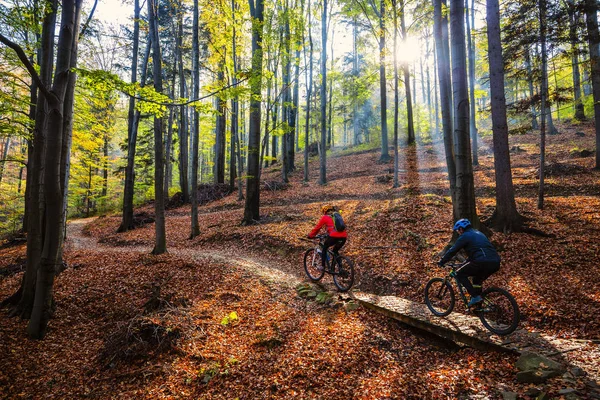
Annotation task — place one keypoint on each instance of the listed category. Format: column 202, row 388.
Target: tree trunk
column 220, row 136
column 505, row 218
column 234, row 105
column 195, row 226
column 465, row 187
column 168, row 150
column 435, row 94
column 252, row 206
column 396, row 96
column 428, row 77
column 293, row 143
column 591, row 12
column 544, row 97
column 286, row 152
column 573, row 19
column 183, row 123
column 53, row 196
column 160, row 244
column 127, row 219
column 443, row 70
column 4, row 156
column 309, row 86
column 355, row 116
column 534, row 122
column 410, row 126
column 471, row 49
column 323, row 149
column 23, row 299
column 385, row 151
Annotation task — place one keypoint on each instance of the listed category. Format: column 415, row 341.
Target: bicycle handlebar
column 319, row 237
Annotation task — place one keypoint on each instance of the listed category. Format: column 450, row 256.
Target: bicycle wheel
column 313, row 266
column 499, row 311
column 343, row 276
column 439, row 297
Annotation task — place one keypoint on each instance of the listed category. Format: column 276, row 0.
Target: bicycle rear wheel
column 439, row 297
column 313, row 265
column 343, row 276
column 499, row 311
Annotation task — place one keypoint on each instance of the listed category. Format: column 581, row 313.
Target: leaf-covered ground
column 133, row 325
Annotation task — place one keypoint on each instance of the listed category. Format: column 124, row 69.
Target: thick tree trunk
column 252, row 206
column 160, row 244
column 505, row 218
column 591, row 12
column 51, row 258
column 465, row 187
column 385, row 151
column 23, row 299
column 323, row 149
column 443, row 70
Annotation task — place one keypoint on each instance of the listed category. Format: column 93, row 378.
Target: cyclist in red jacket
column 334, row 238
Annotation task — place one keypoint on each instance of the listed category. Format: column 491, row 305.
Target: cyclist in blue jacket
column 483, row 259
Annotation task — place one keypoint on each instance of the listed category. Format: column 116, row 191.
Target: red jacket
column 327, row 221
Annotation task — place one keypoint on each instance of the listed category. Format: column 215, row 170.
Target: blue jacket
column 477, row 246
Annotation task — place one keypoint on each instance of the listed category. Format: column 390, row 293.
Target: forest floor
column 218, row 316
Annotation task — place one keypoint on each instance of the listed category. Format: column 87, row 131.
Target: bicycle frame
column 331, row 256
column 461, row 289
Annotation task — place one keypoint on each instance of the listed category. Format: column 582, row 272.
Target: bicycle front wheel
column 499, row 311
column 313, row 265
column 439, row 297
column 343, row 276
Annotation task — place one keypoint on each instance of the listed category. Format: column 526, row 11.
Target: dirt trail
column 584, row 354
column 78, row 241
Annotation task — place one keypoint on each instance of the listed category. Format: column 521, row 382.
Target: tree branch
column 189, row 101
column 89, row 19
column 28, row 65
column 13, row 160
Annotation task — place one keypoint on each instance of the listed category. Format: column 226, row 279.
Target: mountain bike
column 340, row 267
column 498, row 311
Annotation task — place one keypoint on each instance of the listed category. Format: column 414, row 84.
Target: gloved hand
column 440, row 264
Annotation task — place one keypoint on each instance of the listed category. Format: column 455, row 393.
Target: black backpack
column 338, row 222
